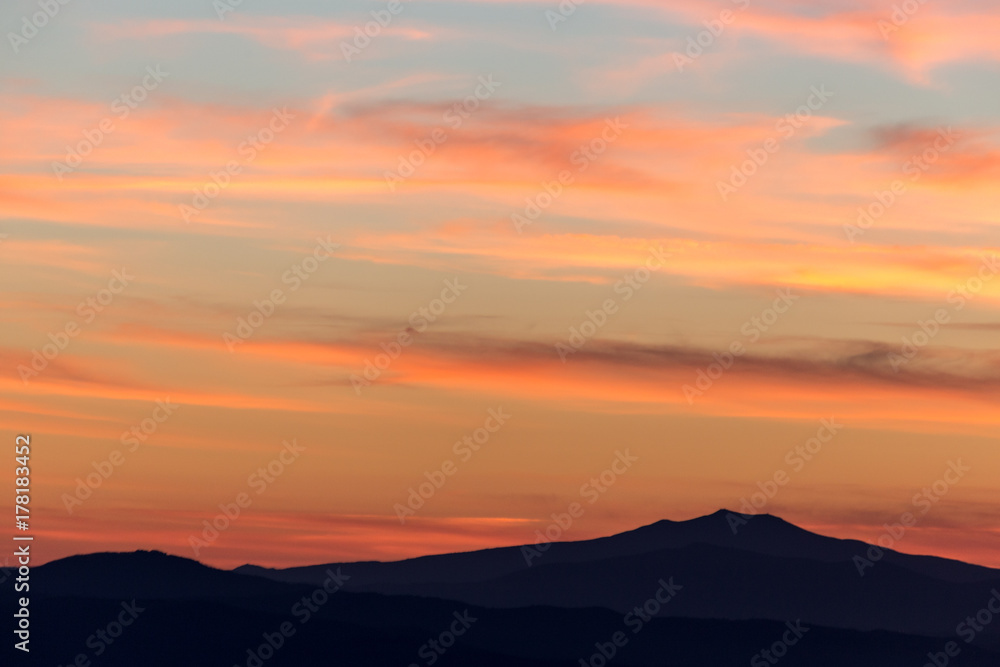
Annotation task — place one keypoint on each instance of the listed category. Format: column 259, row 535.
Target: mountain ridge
column 763, row 533
column 743, row 586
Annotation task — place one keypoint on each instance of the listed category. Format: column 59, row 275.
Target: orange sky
column 624, row 242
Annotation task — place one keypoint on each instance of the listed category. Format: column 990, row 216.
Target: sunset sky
column 814, row 186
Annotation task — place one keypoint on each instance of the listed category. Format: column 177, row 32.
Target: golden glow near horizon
column 661, row 228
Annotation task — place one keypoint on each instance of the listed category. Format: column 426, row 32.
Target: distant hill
column 734, row 595
column 766, row 568
column 763, row 534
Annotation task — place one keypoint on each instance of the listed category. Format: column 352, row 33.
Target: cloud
column 312, row 38
column 779, row 379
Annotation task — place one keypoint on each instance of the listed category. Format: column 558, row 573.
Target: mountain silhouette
column 680, row 593
column 764, row 534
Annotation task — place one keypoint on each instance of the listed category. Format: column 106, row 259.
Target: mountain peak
column 727, row 513
column 726, row 517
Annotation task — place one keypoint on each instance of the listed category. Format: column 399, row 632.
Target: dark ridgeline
column 672, row 593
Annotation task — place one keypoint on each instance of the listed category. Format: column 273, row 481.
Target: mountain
column 766, row 568
column 763, row 534
column 146, row 574
column 679, row 593
column 725, row 583
column 359, row 630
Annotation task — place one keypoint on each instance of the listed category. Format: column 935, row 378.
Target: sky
column 376, row 280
